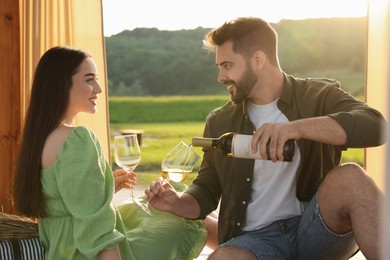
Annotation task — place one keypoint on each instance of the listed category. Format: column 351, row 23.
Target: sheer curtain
column 378, row 95
column 75, row 23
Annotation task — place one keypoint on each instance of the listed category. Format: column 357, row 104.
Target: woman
column 62, row 177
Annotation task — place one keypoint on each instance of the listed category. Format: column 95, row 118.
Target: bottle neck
column 202, row 142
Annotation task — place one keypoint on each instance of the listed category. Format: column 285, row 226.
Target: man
column 310, row 208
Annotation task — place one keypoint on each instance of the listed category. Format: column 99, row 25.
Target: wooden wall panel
column 10, row 123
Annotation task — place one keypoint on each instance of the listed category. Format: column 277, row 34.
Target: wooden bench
column 138, row 132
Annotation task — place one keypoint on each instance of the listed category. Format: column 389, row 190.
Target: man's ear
column 259, row 59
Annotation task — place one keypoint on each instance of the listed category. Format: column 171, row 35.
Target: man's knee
column 345, row 184
column 346, row 178
column 348, row 169
column 342, row 192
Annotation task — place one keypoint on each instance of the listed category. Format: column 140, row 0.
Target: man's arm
column 322, row 129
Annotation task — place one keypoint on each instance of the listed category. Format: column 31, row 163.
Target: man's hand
column 161, row 195
column 321, row 129
column 276, row 134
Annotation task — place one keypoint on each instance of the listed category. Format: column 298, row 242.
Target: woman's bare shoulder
column 53, row 143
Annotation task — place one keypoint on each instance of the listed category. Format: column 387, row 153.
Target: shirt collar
column 287, row 93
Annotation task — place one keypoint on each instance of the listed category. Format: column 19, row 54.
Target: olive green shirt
column 230, row 179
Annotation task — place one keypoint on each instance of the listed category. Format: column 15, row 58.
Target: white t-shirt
column 274, row 184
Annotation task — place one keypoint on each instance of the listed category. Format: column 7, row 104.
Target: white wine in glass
column 175, row 175
column 128, row 156
column 179, row 163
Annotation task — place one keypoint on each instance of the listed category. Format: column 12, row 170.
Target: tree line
column 152, row 62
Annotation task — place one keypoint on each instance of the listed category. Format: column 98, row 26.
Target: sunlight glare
column 120, row 15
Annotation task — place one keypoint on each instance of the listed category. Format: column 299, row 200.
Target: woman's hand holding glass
column 123, row 179
column 128, row 156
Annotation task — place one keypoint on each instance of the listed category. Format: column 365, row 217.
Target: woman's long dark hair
column 48, row 104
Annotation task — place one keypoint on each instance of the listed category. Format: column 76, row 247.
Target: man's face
column 235, row 72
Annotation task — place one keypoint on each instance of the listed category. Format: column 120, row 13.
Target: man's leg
column 232, row 253
column 348, row 199
column 275, row 241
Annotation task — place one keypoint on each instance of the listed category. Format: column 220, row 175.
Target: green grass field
column 179, row 121
column 166, row 109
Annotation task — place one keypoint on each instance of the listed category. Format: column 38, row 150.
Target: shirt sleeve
column 86, row 186
column 206, row 188
column 363, row 124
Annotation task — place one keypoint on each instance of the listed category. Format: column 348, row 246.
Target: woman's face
column 84, row 90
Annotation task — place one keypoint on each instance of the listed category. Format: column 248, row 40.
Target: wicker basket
column 15, row 227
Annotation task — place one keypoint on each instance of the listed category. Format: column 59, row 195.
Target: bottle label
column 241, row 147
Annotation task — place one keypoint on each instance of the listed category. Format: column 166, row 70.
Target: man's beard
column 243, row 86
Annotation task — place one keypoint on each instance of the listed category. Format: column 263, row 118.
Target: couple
column 311, row 208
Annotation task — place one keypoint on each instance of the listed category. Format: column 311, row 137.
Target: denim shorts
column 301, row 237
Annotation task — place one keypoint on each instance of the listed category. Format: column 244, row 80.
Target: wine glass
column 179, row 163
column 128, row 156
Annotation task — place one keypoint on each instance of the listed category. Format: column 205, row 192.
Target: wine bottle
column 238, row 145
